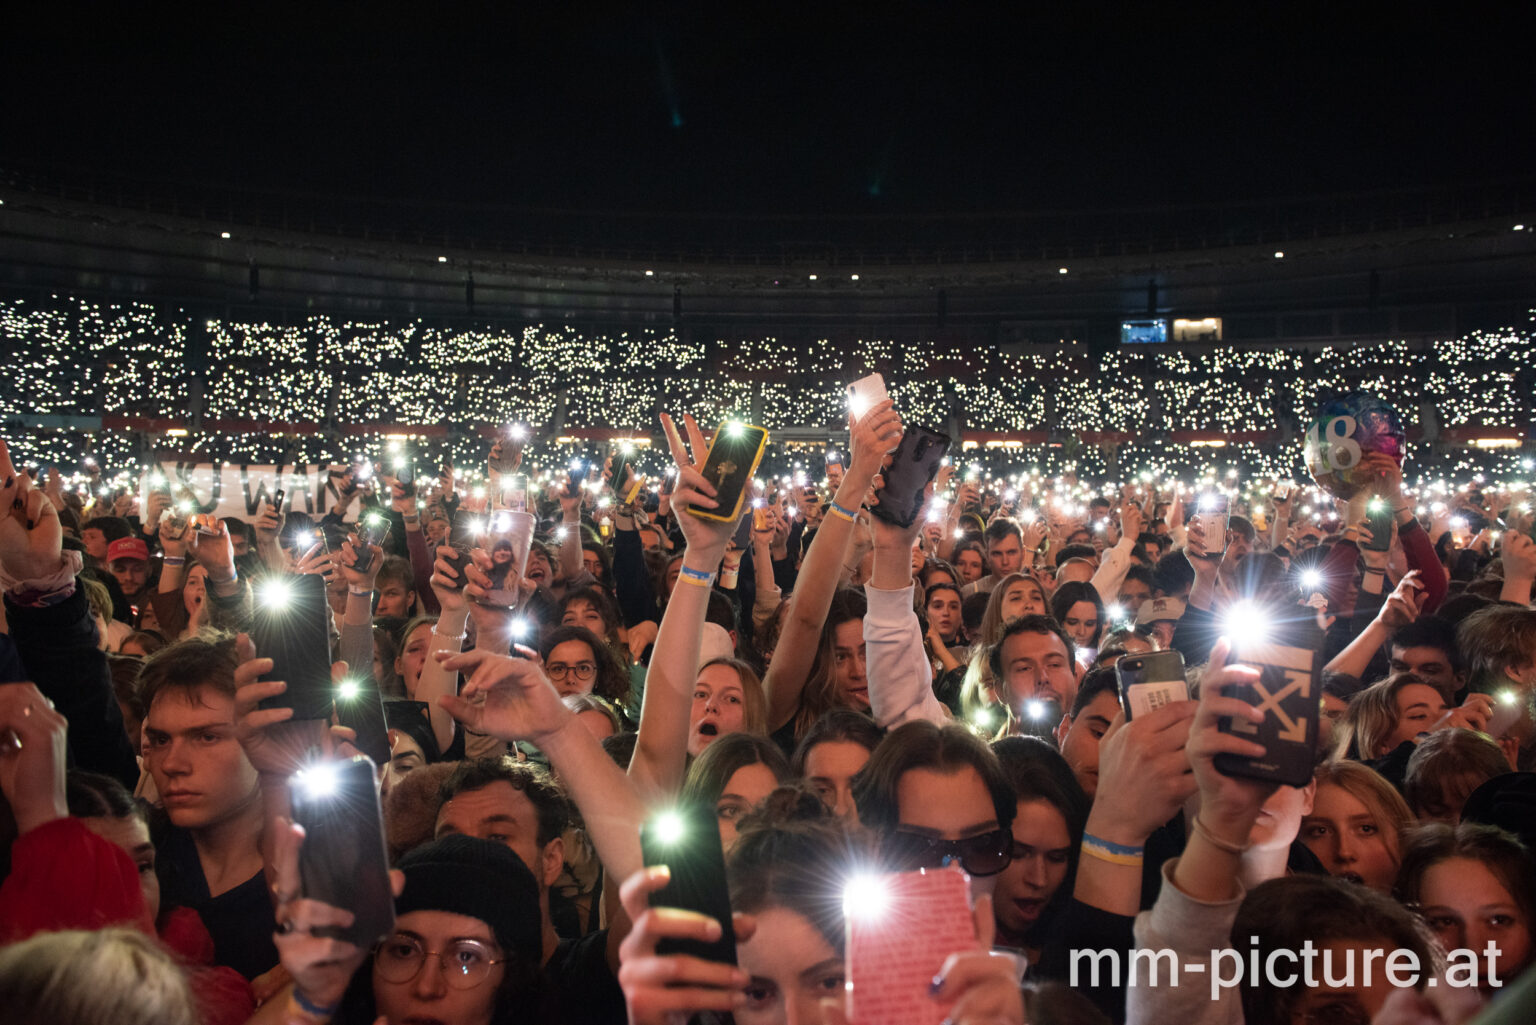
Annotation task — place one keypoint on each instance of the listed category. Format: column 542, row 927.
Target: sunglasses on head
column 983, row 855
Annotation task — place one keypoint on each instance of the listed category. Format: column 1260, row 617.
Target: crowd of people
column 838, row 692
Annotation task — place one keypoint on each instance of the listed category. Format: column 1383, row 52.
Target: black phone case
column 462, row 537
column 730, row 465
column 368, row 534
column 742, row 539
column 1152, row 667
column 297, row 640
column 913, row 467
column 1288, row 691
column 698, row 882
column 1380, row 525
column 343, row 861
column 618, row 468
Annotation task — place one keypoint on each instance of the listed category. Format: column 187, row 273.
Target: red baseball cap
column 127, row 548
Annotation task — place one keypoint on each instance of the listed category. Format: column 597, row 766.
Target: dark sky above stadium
column 898, row 106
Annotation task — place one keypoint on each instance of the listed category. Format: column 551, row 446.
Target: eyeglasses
column 983, row 855
column 581, row 670
column 466, row 963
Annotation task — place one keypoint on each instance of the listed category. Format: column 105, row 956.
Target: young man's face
column 502, row 813
column 1432, row 665
column 1005, row 555
column 1079, row 738
column 1132, row 594
column 199, row 767
column 95, row 543
column 1038, row 665
column 131, row 574
column 394, row 599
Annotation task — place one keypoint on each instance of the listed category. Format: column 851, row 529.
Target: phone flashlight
column 669, row 828
column 519, row 628
column 1311, row 579
column 364, row 471
column 734, row 429
column 1245, row 624
column 1100, row 527
column 1035, row 709
column 275, row 593
column 984, row 718
column 319, row 779
column 865, row 896
column 1114, row 613
column 348, row 690
column 479, row 490
column 518, row 432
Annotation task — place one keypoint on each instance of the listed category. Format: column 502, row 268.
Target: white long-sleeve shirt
column 896, row 665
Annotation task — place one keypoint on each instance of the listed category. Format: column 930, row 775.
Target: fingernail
column 936, row 986
column 712, row 930
column 740, row 977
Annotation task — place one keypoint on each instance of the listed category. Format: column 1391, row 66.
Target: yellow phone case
column 757, row 457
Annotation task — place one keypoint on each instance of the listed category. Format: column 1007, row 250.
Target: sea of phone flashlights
column 71, row 357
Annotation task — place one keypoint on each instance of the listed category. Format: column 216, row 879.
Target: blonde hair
column 1371, row 718
column 84, row 978
column 979, row 690
column 754, row 701
column 1368, row 786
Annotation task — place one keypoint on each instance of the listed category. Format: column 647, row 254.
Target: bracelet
column 447, row 637
column 311, row 1009
column 227, row 580
column 411, row 521
column 837, row 510
column 361, row 592
column 1216, row 841
column 173, row 560
column 1093, row 850
column 1110, row 847
column 697, row 577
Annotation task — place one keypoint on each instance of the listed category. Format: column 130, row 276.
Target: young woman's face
column 951, row 805
column 1023, row 598
column 132, row 835
column 1349, row 840
column 1042, row 847
column 194, row 588
column 592, row 564
column 944, row 613
column 572, row 666
column 968, row 565
column 413, row 656
column 744, row 791
column 848, row 664
column 793, row 969
column 584, row 613
column 829, row 768
column 1468, row 907
column 1082, row 624
column 718, row 707
column 405, row 757
column 1419, row 707
column 427, row 996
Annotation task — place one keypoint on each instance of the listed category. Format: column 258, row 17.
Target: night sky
column 896, row 107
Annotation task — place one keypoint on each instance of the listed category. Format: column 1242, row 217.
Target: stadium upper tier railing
column 842, row 240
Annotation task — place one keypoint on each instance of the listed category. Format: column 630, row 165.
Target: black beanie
column 480, row 879
column 1507, row 801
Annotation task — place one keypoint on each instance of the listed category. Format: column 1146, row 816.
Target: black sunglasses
column 986, row 854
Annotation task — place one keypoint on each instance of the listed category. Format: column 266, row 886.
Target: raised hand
column 707, row 537
column 662, row 988
column 210, row 545
column 520, row 701
column 33, row 750
column 274, row 744
column 31, row 538
column 1404, row 604
column 1229, row 805
column 871, row 439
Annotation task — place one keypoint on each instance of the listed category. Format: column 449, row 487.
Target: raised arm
column 900, row 676
column 874, row 434
column 661, row 747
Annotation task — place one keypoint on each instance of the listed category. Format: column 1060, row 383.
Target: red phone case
column 897, row 945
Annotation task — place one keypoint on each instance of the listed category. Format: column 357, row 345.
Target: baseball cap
column 1158, row 609
column 127, row 548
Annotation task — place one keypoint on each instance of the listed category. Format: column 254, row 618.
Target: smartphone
column 687, row 841
column 733, row 457
column 1283, row 491
column 372, row 529
column 759, row 515
column 576, row 476
column 343, row 861
column 1378, row 520
column 290, row 625
column 515, row 492
column 620, row 459
column 464, row 535
column 512, row 441
column 912, row 469
column 179, row 515
column 1148, row 682
column 668, row 481
column 511, row 538
column 405, row 473
column 864, row 393
column 742, row 539
column 1508, row 709
column 901, row 927
column 1212, row 510
column 1288, row 691
column 277, row 500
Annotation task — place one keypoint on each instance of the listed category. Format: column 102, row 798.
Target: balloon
column 1347, row 430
